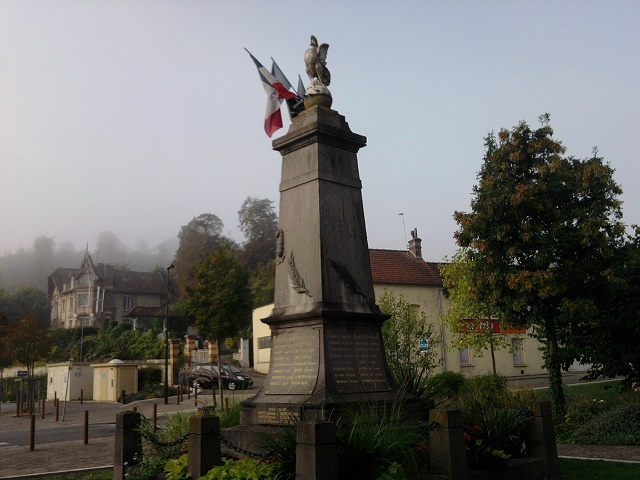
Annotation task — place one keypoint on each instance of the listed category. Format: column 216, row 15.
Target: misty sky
column 135, row 116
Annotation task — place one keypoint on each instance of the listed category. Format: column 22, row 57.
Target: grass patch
column 608, row 391
column 572, row 469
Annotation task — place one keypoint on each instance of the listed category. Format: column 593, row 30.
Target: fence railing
column 317, row 446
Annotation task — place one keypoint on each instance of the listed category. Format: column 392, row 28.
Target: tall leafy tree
column 26, row 302
column 610, row 344
column 470, row 316
column 263, row 283
column 220, row 297
column 110, row 249
column 6, row 359
column 258, row 223
column 201, row 235
column 28, row 343
column 542, row 234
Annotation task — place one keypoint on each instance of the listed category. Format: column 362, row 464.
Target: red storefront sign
column 482, row 326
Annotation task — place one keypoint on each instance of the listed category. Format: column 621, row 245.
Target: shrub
column 620, row 426
column 160, row 445
column 373, row 437
column 580, row 412
column 444, row 387
column 283, row 450
column 230, row 417
column 495, row 420
column 177, row 469
column 245, row 469
column 149, row 378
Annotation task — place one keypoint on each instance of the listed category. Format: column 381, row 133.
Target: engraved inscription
column 294, row 362
column 278, row 415
column 356, row 362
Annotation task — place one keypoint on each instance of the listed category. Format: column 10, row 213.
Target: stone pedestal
column 327, row 346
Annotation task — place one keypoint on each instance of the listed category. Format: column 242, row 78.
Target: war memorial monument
column 326, row 341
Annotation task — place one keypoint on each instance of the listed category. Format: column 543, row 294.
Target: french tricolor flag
column 275, row 93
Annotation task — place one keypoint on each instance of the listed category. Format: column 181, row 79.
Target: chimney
column 415, row 244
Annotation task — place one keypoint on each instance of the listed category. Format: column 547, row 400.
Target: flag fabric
column 295, row 105
column 300, row 87
column 275, row 91
column 279, row 75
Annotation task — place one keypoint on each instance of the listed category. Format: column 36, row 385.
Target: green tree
column 541, row 234
column 258, row 223
column 469, row 315
column 5, row 355
column 402, row 333
column 201, row 235
column 263, row 283
column 610, row 343
column 28, row 343
column 220, row 297
column 25, row 302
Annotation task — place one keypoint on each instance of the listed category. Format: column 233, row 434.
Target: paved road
column 56, row 433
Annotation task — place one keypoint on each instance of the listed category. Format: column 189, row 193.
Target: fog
column 31, row 266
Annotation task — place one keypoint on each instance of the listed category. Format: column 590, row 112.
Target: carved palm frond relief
column 295, row 277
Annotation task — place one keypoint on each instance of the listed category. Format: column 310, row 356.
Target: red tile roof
column 401, row 267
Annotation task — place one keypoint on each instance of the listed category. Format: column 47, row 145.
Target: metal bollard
column 32, row 434
column 86, row 427
column 155, row 415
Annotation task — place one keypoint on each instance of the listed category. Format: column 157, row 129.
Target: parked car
column 206, row 376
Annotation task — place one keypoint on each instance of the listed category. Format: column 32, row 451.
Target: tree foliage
column 610, row 343
column 258, row 223
column 104, row 344
column 263, row 283
column 25, row 302
column 465, row 306
column 220, row 297
column 28, row 343
column 402, row 334
column 542, row 234
column 201, row 235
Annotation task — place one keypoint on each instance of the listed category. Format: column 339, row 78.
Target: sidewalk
column 17, row 460
column 617, row 453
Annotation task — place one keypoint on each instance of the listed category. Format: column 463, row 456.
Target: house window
column 83, row 300
column 84, row 321
column 465, row 356
column 518, row 351
column 264, row 342
column 128, row 302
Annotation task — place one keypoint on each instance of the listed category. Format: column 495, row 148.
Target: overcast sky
column 135, row 116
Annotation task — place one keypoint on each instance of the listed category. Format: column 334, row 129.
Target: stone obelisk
column 326, row 338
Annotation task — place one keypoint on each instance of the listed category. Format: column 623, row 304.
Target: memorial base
column 319, row 365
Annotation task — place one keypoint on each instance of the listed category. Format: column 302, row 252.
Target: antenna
column 406, row 244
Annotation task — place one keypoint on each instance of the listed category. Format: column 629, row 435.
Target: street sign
column 424, row 346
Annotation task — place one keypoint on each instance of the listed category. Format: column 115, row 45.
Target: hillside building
column 92, row 295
